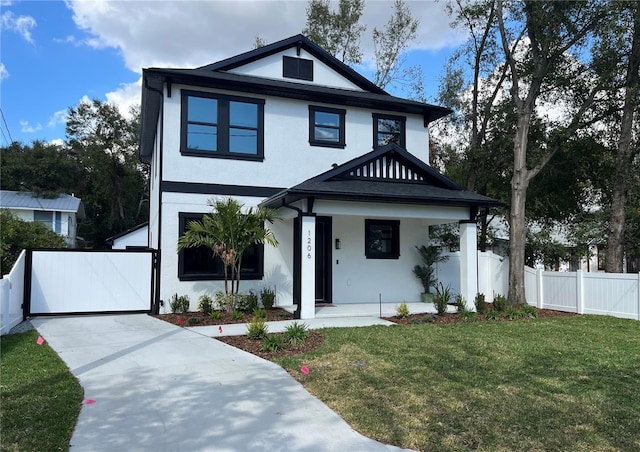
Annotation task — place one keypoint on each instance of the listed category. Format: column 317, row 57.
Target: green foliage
column 226, row 301
column 260, row 313
column 248, row 302
column 215, row 315
column 468, row 316
column 267, row 297
column 237, row 315
column 499, row 303
column 296, row 333
column 493, row 315
column 461, row 304
column 528, row 311
column 273, row 343
column 179, row 304
column 415, row 321
column 193, row 320
column 442, row 298
column 205, row 304
column 425, row 272
column 511, row 313
column 480, row 303
column 257, row 329
column 16, row 235
column 228, row 231
column 402, row 311
column 285, row 315
column 428, row 318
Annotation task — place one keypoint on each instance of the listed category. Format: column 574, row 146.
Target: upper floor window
column 298, row 68
column 199, row 263
column 216, row 125
column 326, row 127
column 389, row 129
column 382, row 239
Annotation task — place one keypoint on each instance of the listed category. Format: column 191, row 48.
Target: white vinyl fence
column 12, row 295
column 615, row 294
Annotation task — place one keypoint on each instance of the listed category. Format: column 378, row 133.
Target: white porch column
column 468, row 262
column 308, row 268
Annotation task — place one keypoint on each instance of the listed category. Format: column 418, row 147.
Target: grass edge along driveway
column 569, row 383
column 39, row 396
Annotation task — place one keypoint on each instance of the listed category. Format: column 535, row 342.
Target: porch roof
column 389, row 174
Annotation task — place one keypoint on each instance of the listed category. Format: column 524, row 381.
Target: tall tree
column 113, row 187
column 338, row 32
column 619, row 47
column 541, row 65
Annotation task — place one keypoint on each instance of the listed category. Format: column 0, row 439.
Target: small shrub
column 257, row 329
column 179, row 304
column 428, row 318
column 296, row 333
column 205, row 304
column 511, row 313
column 481, row 304
column 193, row 320
column 442, row 298
column 273, row 343
column 285, row 315
column 267, row 297
column 402, row 311
column 493, row 315
column 250, row 301
column 226, row 301
column 461, row 304
column 260, row 313
column 237, row 315
column 215, row 315
column 499, row 303
column 415, row 321
column 528, row 311
column 469, row 316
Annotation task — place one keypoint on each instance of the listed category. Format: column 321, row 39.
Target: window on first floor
column 200, row 263
column 216, row 125
column 326, row 127
column 389, row 129
column 382, row 239
column 44, row 217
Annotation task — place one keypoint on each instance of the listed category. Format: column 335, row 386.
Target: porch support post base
column 468, row 262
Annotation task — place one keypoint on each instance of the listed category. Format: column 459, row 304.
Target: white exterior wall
column 138, row 237
column 12, row 295
column 67, row 222
column 288, row 157
column 271, row 67
column 154, row 189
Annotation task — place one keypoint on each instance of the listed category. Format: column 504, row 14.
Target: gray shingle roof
column 27, row 201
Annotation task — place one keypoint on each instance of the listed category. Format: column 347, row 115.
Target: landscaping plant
column 461, row 304
column 267, row 297
column 205, row 304
column 179, row 304
column 442, row 298
column 257, row 329
column 296, row 333
column 481, row 304
column 499, row 303
column 425, row 272
column 402, row 311
column 273, row 343
column 237, row 315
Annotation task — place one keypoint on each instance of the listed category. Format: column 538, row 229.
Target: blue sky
column 53, row 54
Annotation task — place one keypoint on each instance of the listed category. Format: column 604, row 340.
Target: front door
column 323, row 259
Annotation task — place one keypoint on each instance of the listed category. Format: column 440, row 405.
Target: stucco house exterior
column 60, row 214
column 289, row 127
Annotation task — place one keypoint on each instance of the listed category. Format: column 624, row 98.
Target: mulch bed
column 315, row 339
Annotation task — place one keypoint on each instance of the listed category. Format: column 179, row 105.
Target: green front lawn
column 40, row 398
column 568, row 383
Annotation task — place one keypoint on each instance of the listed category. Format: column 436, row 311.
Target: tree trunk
column 615, row 242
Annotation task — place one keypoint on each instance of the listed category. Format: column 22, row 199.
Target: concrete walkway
column 158, row 387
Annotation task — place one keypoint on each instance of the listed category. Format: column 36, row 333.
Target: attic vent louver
column 297, row 68
column 387, row 168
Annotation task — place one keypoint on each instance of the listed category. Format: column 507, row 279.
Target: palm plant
column 425, row 272
column 229, row 232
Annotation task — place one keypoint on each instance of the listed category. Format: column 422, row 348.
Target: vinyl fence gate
column 69, row 281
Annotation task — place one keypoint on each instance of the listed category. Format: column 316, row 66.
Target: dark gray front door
column 323, row 259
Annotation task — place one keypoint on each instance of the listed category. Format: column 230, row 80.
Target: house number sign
column 309, row 247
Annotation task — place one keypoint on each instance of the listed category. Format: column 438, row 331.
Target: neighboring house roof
column 216, row 76
column 388, row 174
column 22, row 200
column 113, row 238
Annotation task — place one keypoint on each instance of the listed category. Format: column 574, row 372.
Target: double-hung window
column 199, row 263
column 389, row 129
column 382, row 239
column 216, row 125
column 326, row 127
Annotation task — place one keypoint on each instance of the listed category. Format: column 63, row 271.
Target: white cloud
column 125, row 97
column 195, row 33
column 3, row 71
column 25, row 127
column 59, row 117
column 19, row 24
column 57, row 142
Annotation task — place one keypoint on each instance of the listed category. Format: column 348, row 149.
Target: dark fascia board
column 111, row 239
column 390, row 148
column 152, row 95
column 295, row 41
column 315, row 93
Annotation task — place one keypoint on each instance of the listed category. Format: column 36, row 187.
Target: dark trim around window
column 199, row 264
column 220, row 126
column 316, row 127
column 398, row 137
column 382, row 239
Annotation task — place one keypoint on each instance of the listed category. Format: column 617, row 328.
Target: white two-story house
column 289, row 127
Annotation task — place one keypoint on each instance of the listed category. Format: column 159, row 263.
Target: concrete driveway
column 161, row 387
